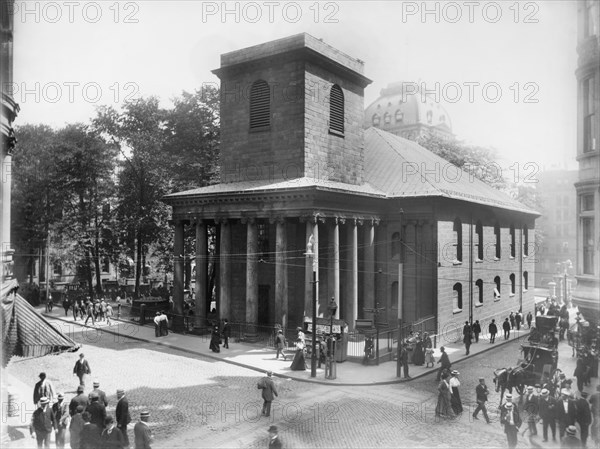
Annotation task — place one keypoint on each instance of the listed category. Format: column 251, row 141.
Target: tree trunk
column 138, row 263
column 88, row 271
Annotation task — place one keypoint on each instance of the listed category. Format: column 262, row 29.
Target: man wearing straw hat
column 122, row 415
column 142, row 433
column 511, row 421
column 42, row 423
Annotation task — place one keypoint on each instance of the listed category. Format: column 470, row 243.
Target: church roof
column 402, row 169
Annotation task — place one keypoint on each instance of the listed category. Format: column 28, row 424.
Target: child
column 429, row 358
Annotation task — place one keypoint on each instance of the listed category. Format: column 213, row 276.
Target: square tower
column 292, row 108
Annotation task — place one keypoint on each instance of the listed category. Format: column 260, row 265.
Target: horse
column 508, row 378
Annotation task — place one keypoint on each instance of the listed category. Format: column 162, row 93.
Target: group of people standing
column 161, row 324
column 85, row 417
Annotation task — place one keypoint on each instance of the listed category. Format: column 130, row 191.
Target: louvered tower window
column 260, row 105
column 336, row 110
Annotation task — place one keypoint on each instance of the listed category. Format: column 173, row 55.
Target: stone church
column 391, row 223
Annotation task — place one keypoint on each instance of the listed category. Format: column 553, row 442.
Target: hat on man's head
column 280, row 331
column 44, row 400
column 530, row 388
column 96, row 383
column 571, row 430
column 81, row 355
column 60, row 396
column 565, row 392
column 120, row 391
column 273, row 429
column 79, row 409
column 509, row 404
column 298, row 328
column 442, row 348
column 145, row 415
column 481, row 378
column 454, row 372
column 584, row 394
column 42, row 375
column 545, row 392
column 508, row 396
column 538, row 386
column 80, row 389
column 269, row 373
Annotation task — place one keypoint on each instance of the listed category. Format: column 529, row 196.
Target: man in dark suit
column 89, row 438
column 467, row 337
column 274, row 440
column 80, row 399
column 122, row 414
column 97, row 411
column 42, row 389
column 101, row 394
column 511, row 420
column 42, row 423
column 583, row 417
column 566, row 412
column 142, row 433
column 493, row 330
column 547, row 411
column 481, row 392
column 81, row 368
column 404, row 360
column 269, row 391
column 531, row 408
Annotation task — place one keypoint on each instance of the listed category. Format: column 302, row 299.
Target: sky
column 504, row 71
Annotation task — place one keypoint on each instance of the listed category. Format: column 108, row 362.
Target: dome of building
column 403, row 109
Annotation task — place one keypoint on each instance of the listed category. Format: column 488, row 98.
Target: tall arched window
column 525, row 280
column 394, row 301
column 498, row 241
column 336, row 109
column 458, row 303
column 399, row 116
column 458, row 239
column 479, row 239
column 260, row 105
column 525, row 241
column 512, row 241
column 512, row 284
column 497, row 288
column 396, row 245
column 479, row 285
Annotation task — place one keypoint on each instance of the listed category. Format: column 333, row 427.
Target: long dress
column 299, row 364
column 215, row 341
column 419, row 357
column 455, row 396
column 444, row 407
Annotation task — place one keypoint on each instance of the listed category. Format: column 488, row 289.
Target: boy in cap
column 62, row 419
column 274, row 440
column 42, row 422
column 142, row 433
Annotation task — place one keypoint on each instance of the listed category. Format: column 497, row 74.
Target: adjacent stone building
column 382, row 211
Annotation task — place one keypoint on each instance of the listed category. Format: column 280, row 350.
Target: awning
column 26, row 333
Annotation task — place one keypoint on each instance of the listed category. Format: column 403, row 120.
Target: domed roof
column 403, row 105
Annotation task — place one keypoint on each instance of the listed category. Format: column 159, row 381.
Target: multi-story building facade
column 390, row 224
column 587, row 293
column 556, row 250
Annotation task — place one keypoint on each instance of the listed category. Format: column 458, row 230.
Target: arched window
column 387, row 118
column 479, row 285
column 457, row 289
column 458, row 239
column 399, row 116
column 497, row 288
column 376, row 120
column 525, row 281
column 394, row 301
column 336, row 109
column 512, row 241
column 525, row 241
column 479, row 240
column 498, row 241
column 396, row 245
column 512, row 284
column 260, row 105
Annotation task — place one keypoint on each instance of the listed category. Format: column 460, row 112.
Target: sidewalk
column 262, row 359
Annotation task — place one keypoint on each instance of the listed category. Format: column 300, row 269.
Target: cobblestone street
column 196, row 401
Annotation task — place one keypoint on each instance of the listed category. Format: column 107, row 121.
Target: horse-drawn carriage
column 580, row 336
column 540, row 359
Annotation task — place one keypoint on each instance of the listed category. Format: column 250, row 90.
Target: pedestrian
column 454, row 384
column 322, row 351
column 142, row 433
column 511, row 421
column 90, row 433
column 429, row 358
column 443, row 408
column 583, row 417
column 481, row 396
column 215, row 340
column 280, row 344
column 269, row 391
column 476, row 330
column 157, row 324
column 89, row 310
column 75, row 428
column 511, row 317
column 445, row 363
column 518, row 320
column 274, row 440
column 529, row 319
column 404, row 360
column 419, row 352
column 122, row 415
column 506, row 326
column 80, row 400
column 42, row 389
column 226, row 332
column 299, row 362
column 109, row 313
column 493, row 330
column 579, row 373
column 101, row 394
column 164, row 324
column 566, row 412
column 42, row 423
column 467, row 337
column 531, row 406
column 62, row 419
column 595, row 407
column 547, row 411
column 97, row 411
column 111, row 437
column 66, row 305
column 81, row 368
column 50, row 303
column 570, row 440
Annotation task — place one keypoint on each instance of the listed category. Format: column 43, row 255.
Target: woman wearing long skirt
column 455, row 395
column 419, row 357
column 444, row 407
column 299, row 364
column 215, row 340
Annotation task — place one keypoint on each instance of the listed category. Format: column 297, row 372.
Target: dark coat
column 89, row 438
column 42, row 389
column 493, row 329
column 122, row 412
column 547, row 408
column 481, row 392
column 467, row 334
column 98, row 413
column 275, row 443
column 75, row 428
column 506, row 326
column 267, row 386
column 101, row 396
column 43, row 420
column 566, row 418
column 143, row 435
column 584, row 412
column 82, row 368
column 504, row 417
column 445, row 361
column 80, row 399
column 476, row 328
column 112, row 440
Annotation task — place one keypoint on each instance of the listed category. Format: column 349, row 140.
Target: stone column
column 251, row 273
column 224, row 271
column 201, row 274
column 334, row 260
column 351, row 304
column 178, row 269
column 312, row 228
column 281, row 275
column 369, row 275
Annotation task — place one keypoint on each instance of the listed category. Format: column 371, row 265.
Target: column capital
column 221, row 220
column 277, row 219
column 179, row 222
column 248, row 220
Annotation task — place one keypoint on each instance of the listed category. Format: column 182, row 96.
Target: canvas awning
column 26, row 333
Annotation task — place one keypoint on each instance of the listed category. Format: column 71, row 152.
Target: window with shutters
column 260, row 106
column 336, row 110
column 458, row 300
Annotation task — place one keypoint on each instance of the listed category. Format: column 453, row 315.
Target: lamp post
column 310, row 255
column 331, row 352
column 375, row 311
